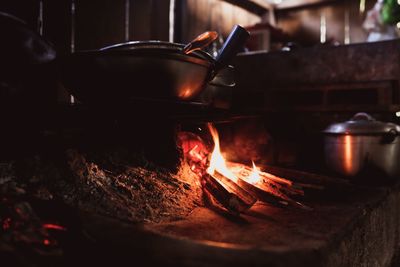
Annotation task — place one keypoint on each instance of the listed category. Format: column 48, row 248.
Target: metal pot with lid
column 149, row 69
column 361, row 144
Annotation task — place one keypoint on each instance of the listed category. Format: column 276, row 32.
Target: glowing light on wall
column 347, row 26
column 127, row 18
column 362, row 6
column 171, row 20
column 323, row 28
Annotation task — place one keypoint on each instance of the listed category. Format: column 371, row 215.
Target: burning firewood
column 236, row 189
column 273, row 182
column 233, row 202
column 261, row 195
column 309, row 180
column 269, row 191
column 235, row 186
column 229, row 194
column 246, row 171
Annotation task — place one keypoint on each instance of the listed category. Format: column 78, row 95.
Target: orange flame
column 217, row 161
column 254, row 176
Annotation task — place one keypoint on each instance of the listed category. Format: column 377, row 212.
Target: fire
column 234, row 185
column 217, row 161
column 254, row 176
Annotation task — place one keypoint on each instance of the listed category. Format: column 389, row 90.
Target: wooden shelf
column 288, row 4
column 260, row 7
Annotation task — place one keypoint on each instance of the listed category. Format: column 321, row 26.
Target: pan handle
column 224, row 77
column 234, row 43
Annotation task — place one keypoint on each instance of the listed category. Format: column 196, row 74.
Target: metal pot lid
column 362, row 124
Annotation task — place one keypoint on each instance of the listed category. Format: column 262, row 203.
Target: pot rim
column 153, row 49
column 145, row 54
column 157, row 46
column 353, row 134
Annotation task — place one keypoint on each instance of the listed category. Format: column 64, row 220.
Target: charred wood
column 232, row 202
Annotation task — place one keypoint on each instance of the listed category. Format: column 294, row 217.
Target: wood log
column 308, row 186
column 262, row 195
column 288, row 190
column 247, row 170
column 297, row 185
column 271, row 192
column 234, row 188
column 285, row 186
column 306, row 177
column 282, row 195
column 228, row 200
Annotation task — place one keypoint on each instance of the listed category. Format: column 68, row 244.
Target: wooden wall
column 102, row 22
column 27, row 10
column 97, row 23
column 303, row 24
column 202, row 15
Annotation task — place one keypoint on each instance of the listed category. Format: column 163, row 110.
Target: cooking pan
column 26, row 72
column 148, row 69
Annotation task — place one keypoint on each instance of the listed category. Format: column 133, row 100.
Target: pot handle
column 235, row 41
column 224, row 77
column 389, row 136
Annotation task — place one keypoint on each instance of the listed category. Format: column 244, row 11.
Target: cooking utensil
column 363, row 144
column 26, row 72
column 200, row 42
column 21, row 46
column 149, row 69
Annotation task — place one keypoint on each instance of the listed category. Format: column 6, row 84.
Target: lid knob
column 362, row 116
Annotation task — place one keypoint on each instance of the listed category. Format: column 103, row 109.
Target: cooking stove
column 87, row 157
column 328, row 235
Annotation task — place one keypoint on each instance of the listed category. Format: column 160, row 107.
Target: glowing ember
column 254, row 176
column 217, row 161
column 54, row 226
column 193, row 148
column 195, row 153
column 6, row 223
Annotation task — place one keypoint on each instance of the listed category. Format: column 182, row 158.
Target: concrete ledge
column 359, row 227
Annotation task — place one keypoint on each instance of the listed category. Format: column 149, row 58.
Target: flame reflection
column 185, row 92
column 348, row 156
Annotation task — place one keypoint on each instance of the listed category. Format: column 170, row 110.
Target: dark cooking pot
column 26, row 71
column 146, row 69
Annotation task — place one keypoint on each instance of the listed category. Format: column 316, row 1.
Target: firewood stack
column 237, row 192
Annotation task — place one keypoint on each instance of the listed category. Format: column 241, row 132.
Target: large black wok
column 145, row 69
column 26, row 72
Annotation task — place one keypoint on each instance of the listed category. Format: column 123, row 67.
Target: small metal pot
column 363, row 144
